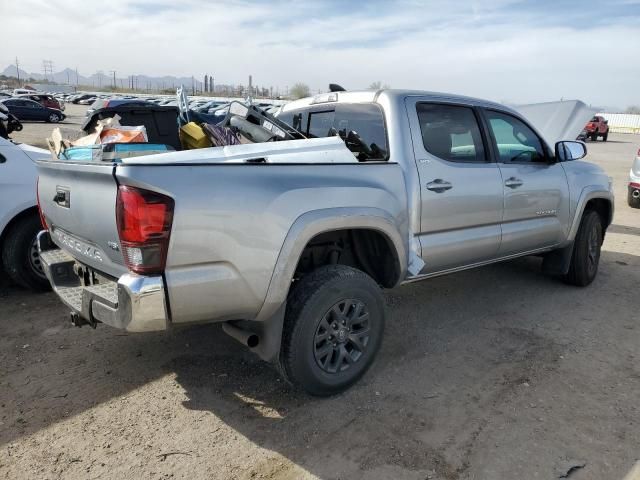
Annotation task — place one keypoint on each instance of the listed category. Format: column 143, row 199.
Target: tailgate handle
column 62, row 197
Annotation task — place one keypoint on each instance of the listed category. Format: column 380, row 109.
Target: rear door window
column 451, row 132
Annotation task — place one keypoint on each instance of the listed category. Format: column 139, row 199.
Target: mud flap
column 269, row 333
column 558, row 261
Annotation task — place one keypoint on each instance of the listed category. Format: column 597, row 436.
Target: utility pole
column 18, row 71
column 76, row 76
column 113, row 72
column 47, row 66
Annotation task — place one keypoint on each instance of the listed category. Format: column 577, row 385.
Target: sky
column 502, row 50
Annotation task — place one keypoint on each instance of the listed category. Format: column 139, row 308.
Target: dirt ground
column 494, row 373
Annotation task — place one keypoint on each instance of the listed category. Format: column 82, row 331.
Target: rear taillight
column 42, row 220
column 144, row 225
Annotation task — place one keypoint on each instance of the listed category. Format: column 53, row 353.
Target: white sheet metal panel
column 622, row 122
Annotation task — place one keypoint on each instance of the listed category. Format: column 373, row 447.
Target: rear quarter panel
column 231, row 221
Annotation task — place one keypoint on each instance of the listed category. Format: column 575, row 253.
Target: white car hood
column 558, row 120
column 34, row 153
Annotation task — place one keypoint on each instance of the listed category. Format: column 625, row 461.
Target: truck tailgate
column 79, row 203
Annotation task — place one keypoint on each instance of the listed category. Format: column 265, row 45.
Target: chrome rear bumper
column 134, row 303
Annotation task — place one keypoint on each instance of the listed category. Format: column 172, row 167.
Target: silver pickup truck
column 288, row 243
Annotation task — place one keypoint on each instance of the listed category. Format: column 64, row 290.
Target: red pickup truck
column 597, row 127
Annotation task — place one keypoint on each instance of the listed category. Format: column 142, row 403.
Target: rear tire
column 586, row 251
column 605, row 136
column 20, row 257
column 594, row 136
column 333, row 329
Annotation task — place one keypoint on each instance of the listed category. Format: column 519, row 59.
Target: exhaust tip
column 635, row 194
column 245, row 337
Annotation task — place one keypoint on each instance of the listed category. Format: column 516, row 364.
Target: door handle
column 513, row 182
column 439, row 185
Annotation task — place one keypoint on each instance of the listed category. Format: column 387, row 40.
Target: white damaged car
column 634, row 183
column 19, row 219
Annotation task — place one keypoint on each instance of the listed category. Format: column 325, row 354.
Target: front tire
column 333, row 329
column 633, row 202
column 586, row 251
column 20, row 256
column 53, row 118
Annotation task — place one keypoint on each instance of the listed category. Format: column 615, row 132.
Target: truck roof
column 365, row 96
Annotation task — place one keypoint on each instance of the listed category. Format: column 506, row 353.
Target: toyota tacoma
column 289, row 243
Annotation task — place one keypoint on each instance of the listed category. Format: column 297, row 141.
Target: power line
column 47, row 66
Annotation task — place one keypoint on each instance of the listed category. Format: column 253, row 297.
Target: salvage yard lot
column 35, row 133
column 494, row 373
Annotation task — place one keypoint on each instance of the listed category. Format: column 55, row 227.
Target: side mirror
column 570, row 150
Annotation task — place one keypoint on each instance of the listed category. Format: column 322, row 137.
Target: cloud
column 497, row 49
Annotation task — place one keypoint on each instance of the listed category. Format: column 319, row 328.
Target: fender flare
column 589, row 193
column 315, row 222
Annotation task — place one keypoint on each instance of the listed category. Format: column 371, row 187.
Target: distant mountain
column 11, row 71
column 99, row 79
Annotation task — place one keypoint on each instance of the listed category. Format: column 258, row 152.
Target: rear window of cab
column 360, row 125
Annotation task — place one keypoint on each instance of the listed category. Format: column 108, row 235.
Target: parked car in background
column 596, row 127
column 19, row 219
column 633, row 197
column 86, row 101
column 114, row 102
column 44, row 100
column 26, row 109
column 289, row 248
column 22, row 91
column 82, row 96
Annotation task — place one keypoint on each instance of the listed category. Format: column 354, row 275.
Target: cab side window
column 515, row 141
column 451, row 132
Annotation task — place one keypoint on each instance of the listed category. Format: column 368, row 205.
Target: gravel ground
column 495, row 373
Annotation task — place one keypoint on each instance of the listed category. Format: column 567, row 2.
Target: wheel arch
column 33, row 210
column 597, row 199
column 318, row 222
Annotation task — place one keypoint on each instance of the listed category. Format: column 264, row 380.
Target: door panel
column 461, row 193
column 536, row 193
